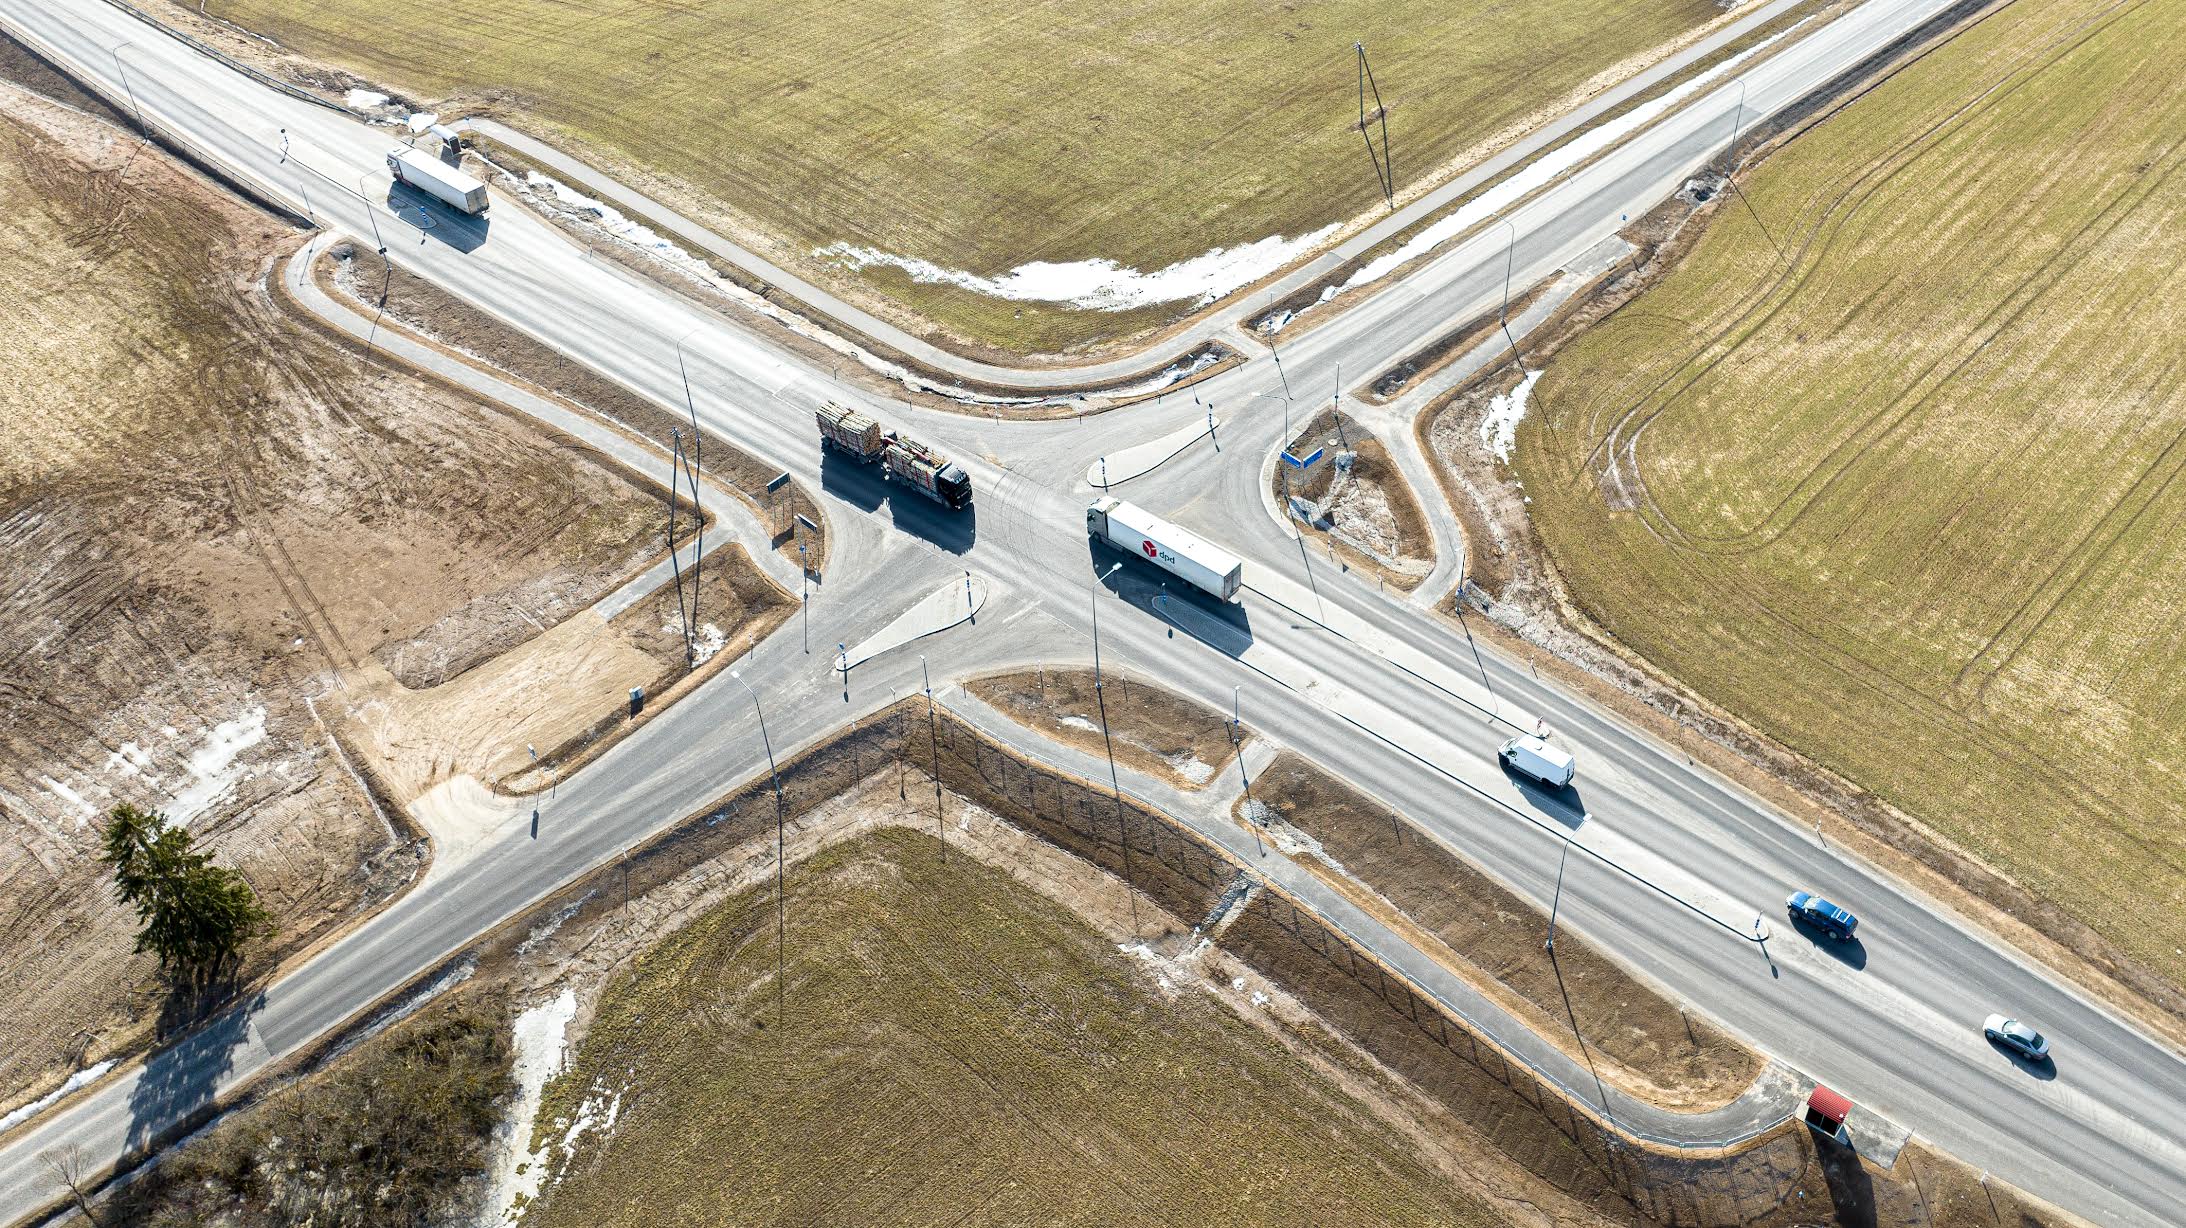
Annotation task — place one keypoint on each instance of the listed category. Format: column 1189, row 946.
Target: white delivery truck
column 437, row 179
column 1173, row 548
column 1551, row 765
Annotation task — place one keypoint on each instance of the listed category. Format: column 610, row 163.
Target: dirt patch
column 1355, row 499
column 1476, row 926
column 1156, row 731
column 423, row 308
column 209, row 515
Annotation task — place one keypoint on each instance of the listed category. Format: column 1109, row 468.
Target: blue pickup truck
column 1807, row 908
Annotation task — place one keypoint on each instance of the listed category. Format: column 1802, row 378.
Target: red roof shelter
column 1826, row 1111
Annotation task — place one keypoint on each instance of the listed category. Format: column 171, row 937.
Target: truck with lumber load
column 923, row 469
column 1171, row 547
column 444, row 183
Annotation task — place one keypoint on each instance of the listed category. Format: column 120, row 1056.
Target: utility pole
column 1383, row 170
column 933, row 742
column 1123, row 831
column 804, row 599
column 1557, row 901
column 781, row 922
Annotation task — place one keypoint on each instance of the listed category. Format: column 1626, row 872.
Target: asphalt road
column 1896, row 1027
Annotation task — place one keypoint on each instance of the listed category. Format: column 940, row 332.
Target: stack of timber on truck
column 1171, row 547
column 436, row 179
column 927, row 471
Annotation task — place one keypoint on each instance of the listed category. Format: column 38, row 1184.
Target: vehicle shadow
column 1850, row 952
column 436, row 221
column 2044, row 1069
column 862, row 486
column 1221, row 625
column 1561, row 804
column 175, row 1091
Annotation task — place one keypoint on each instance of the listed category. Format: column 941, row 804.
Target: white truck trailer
column 1173, row 548
column 437, row 179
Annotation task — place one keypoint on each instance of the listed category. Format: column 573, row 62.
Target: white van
column 1552, row 766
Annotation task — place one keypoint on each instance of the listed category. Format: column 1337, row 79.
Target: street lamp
column 1237, row 744
column 781, row 923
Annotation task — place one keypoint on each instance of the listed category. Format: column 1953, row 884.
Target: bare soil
column 1156, row 731
column 437, row 316
column 211, row 519
column 1477, row 927
column 1366, row 510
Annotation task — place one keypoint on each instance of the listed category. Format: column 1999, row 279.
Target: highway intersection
column 1378, row 690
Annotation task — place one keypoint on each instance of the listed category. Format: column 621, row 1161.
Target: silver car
column 2017, row 1037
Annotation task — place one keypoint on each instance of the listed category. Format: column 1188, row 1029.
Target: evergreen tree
column 193, row 914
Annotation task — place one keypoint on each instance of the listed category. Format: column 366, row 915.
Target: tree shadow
column 200, row 1029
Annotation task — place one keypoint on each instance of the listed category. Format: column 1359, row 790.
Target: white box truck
column 1551, row 765
column 1173, row 548
column 437, row 179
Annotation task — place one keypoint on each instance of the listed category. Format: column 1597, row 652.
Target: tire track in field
column 1745, row 323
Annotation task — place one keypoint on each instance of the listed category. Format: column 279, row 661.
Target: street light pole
column 131, row 90
column 781, row 922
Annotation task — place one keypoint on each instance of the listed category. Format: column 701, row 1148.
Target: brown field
column 211, row 520
column 1156, row 731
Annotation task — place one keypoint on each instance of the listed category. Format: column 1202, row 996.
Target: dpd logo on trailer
column 1148, row 547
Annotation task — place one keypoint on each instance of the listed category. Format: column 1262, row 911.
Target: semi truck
column 1171, row 547
column 444, row 183
column 926, row 471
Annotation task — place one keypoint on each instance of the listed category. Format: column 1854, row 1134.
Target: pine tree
column 195, row 915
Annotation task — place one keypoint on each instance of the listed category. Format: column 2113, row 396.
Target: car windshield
column 2021, row 1032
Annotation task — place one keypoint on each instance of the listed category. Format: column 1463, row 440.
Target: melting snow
column 129, row 759
column 89, row 1074
column 1499, row 430
column 79, row 809
column 1101, row 284
column 423, row 120
column 519, row 1170
column 1541, row 171
column 212, row 767
column 365, row 100
column 1078, row 722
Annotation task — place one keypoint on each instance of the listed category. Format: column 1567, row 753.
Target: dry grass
column 207, row 515
column 958, row 1050
column 1492, row 937
column 982, row 135
column 1156, row 731
column 1374, row 520
column 1906, row 498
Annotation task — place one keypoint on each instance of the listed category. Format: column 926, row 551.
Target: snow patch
column 365, row 100
column 1191, row 767
column 519, row 1170
column 423, row 120
column 212, row 767
column 1499, row 429
column 89, row 1074
column 78, row 808
column 1078, row 722
column 129, row 759
column 1543, row 170
column 1101, row 284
